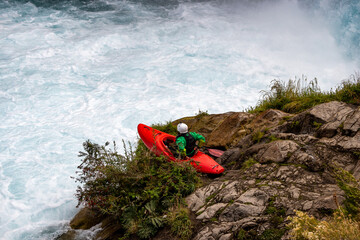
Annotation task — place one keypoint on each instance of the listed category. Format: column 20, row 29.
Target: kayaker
column 186, row 141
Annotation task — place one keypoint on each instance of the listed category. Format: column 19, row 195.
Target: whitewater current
column 74, row 70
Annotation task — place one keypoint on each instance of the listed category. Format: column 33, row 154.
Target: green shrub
column 180, row 222
column 338, row 227
column 241, row 235
column 349, row 90
column 298, row 95
column 201, row 114
column 347, row 182
column 272, row 234
column 137, row 188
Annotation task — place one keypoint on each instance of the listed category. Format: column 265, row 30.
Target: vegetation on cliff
column 298, row 95
column 141, row 191
column 338, row 227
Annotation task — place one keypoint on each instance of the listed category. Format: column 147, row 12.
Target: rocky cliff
column 275, row 163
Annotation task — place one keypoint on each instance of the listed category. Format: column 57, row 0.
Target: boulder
column 211, row 211
column 351, row 125
column 253, row 196
column 331, row 112
column 229, row 130
column 350, row 143
column 278, row 151
column 86, row 218
column 308, row 159
column 238, row 211
column 200, row 197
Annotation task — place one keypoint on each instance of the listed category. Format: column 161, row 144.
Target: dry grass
column 338, row 227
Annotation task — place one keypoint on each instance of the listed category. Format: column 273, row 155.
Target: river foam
column 77, row 70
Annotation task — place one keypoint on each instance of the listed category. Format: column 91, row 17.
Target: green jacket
column 181, row 142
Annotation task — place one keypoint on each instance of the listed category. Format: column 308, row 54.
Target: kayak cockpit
column 171, row 146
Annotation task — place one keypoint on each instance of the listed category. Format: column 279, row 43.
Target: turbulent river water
column 72, row 70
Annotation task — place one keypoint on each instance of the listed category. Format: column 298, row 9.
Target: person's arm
column 197, row 136
column 181, row 143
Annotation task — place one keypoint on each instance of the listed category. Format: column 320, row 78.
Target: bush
column 201, row 114
column 347, row 182
column 136, row 188
column 180, row 222
column 349, row 91
column 339, row 227
column 298, row 95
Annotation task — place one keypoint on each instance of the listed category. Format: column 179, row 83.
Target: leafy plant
column 338, row 227
column 179, row 220
column 137, row 188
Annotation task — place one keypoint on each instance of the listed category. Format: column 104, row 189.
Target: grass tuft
column 180, row 222
column 248, row 163
column 298, row 95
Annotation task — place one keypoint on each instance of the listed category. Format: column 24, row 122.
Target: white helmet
column 182, row 128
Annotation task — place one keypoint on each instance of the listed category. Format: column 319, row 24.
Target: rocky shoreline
column 275, row 163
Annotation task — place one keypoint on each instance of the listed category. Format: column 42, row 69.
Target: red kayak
column 159, row 142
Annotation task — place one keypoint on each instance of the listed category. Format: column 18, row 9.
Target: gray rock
column 226, row 236
column 229, row 156
column 331, row 112
column 204, row 234
column 238, row 211
column 328, row 202
column 292, row 171
column 350, row 143
column 254, row 196
column 307, row 205
column 352, row 123
column 294, row 192
column 299, row 138
column 229, row 193
column 329, row 129
column 211, row 211
column 277, row 151
column 198, row 199
column 310, row 160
